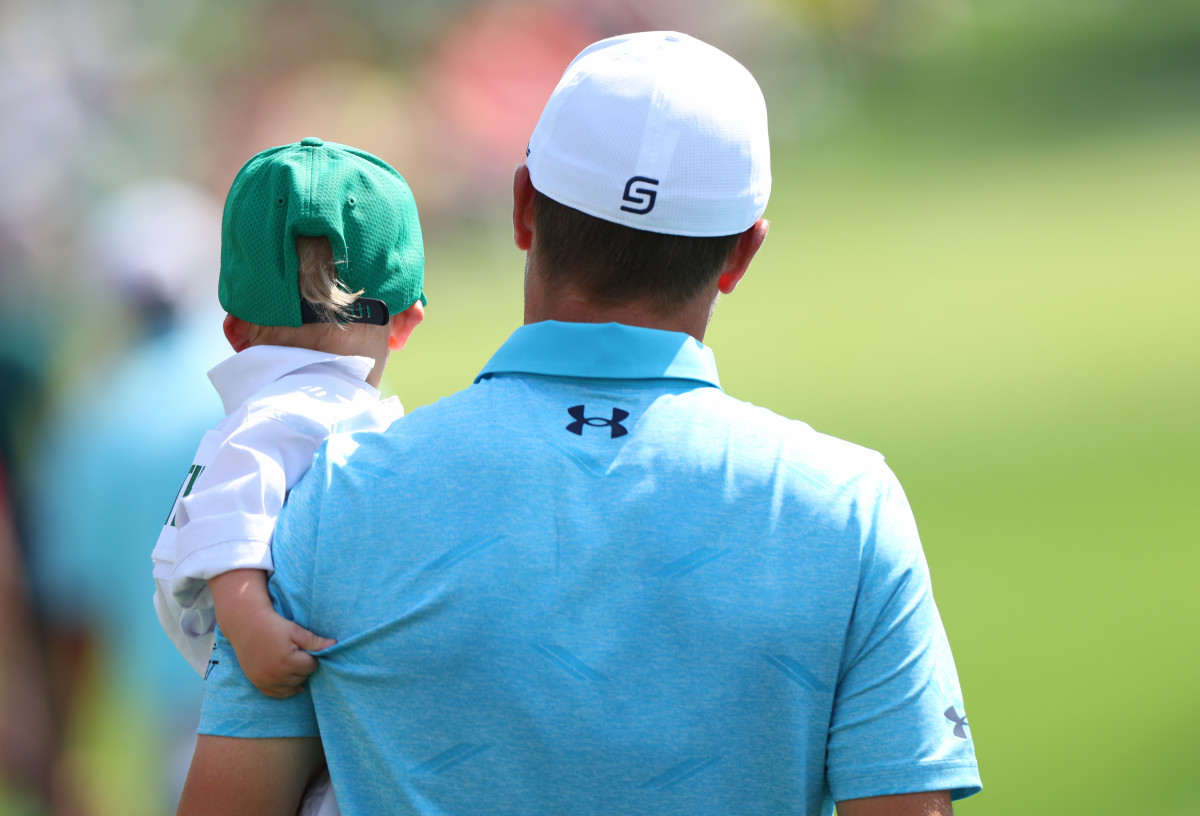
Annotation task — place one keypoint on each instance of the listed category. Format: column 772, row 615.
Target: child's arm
column 272, row 650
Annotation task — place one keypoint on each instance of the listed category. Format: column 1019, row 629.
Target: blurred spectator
column 28, row 731
column 116, row 448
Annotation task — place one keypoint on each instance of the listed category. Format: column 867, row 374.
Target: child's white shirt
column 280, row 404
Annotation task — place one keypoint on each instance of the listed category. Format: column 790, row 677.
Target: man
column 113, row 443
column 592, row 582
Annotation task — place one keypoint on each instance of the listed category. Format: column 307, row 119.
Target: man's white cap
column 657, row 131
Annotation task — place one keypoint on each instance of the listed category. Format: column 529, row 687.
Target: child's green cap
column 314, row 188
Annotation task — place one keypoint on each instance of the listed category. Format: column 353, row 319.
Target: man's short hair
column 611, row 263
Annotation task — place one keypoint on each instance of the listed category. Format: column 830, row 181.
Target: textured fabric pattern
column 315, row 188
column 601, row 594
column 657, row 131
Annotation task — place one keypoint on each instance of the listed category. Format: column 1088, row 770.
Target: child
column 322, row 274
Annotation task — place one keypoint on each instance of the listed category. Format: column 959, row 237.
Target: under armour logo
column 614, row 424
column 960, row 723
column 644, row 195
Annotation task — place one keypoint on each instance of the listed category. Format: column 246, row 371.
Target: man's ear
column 237, row 332
column 402, row 325
column 739, row 260
column 522, row 209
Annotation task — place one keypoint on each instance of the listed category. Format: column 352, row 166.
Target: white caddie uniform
column 280, row 404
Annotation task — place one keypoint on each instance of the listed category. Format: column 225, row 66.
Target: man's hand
column 272, row 650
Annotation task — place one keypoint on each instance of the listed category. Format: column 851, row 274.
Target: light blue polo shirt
column 592, row 582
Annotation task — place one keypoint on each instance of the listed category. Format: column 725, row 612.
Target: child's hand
column 272, row 650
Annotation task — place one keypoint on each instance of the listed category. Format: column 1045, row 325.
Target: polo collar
column 241, row 376
column 610, row 351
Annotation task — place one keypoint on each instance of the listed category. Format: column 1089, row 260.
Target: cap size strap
column 364, row 310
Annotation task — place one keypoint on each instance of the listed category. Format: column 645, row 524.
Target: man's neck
column 692, row 320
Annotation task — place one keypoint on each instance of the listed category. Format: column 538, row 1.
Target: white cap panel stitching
column 657, row 131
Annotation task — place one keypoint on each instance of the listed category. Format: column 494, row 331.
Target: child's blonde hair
column 319, row 285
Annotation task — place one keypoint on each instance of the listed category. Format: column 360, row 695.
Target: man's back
column 592, row 583
column 599, row 594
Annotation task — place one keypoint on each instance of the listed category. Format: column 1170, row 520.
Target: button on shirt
column 592, row 582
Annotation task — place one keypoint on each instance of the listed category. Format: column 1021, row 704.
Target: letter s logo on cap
column 640, row 195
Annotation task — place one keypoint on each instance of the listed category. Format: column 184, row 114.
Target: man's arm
column 907, row 804
column 896, row 723
column 255, row 777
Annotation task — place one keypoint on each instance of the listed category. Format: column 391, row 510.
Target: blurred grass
column 989, row 272
column 1017, row 333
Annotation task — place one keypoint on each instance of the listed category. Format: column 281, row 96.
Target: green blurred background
column 983, row 262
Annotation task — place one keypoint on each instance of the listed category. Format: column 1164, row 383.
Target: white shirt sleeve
column 225, row 522
column 232, row 495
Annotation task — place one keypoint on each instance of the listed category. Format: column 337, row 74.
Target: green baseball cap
column 314, row 188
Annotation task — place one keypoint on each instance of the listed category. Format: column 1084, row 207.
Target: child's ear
column 237, row 332
column 402, row 325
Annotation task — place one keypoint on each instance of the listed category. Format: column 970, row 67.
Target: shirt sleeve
column 226, row 521
column 898, row 723
column 233, row 707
